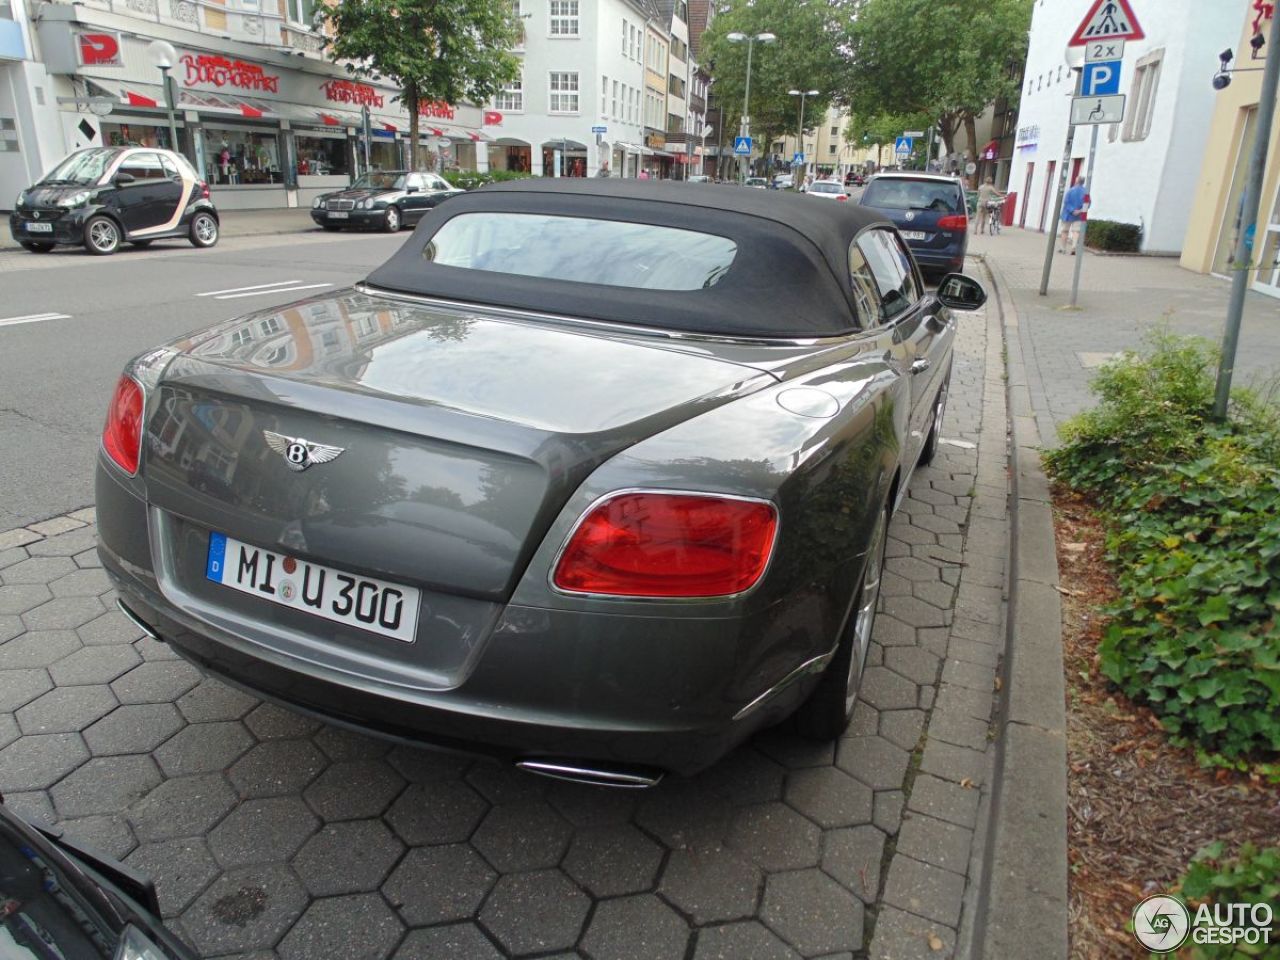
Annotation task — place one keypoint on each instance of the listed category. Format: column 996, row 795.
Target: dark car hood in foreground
column 463, row 435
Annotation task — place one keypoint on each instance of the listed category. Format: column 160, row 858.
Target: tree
column 806, row 56
column 445, row 50
column 943, row 59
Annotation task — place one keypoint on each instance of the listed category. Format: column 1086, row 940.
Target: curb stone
column 1022, row 907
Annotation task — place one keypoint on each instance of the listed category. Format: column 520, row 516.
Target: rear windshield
column 826, row 188
column 913, row 195
column 582, row 250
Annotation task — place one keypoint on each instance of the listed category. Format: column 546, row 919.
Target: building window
column 604, row 96
column 518, row 14
column 835, row 131
column 831, row 149
column 563, row 86
column 614, row 112
column 635, row 44
column 564, row 18
column 1146, row 81
column 682, row 11
column 511, row 97
column 678, row 49
column 8, row 135
column 302, row 12
column 625, row 48
column 675, row 86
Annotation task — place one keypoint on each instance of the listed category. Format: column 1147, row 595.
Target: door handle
column 920, row 366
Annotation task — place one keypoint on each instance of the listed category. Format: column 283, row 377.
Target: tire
column 140, row 244
column 36, row 247
column 330, row 227
column 101, row 236
column 393, row 221
column 829, row 708
column 935, row 428
column 204, row 230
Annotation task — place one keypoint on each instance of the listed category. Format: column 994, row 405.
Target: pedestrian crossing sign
column 742, row 146
column 1108, row 20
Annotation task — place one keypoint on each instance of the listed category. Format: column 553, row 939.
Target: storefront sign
column 211, row 70
column 492, row 118
column 655, row 141
column 435, row 108
column 99, row 50
column 347, row 91
column 1265, row 11
column 1028, row 136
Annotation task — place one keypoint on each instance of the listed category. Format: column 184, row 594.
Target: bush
column 1251, row 876
column 1113, row 236
column 1193, row 514
column 469, row 179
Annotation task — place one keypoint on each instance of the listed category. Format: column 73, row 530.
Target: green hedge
column 1114, row 236
column 1249, row 876
column 469, row 180
column 1192, row 508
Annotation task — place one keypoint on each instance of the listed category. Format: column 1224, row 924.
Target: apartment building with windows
column 656, row 72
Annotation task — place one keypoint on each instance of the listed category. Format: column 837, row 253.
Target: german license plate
column 914, row 235
column 339, row 215
column 39, row 227
column 384, row 608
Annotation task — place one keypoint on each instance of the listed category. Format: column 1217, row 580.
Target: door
column 1268, row 241
column 414, row 203
column 1026, row 195
column 438, row 189
column 1048, row 186
column 150, row 201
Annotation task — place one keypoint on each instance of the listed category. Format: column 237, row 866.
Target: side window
column 143, row 166
column 414, row 181
column 170, row 168
column 892, row 273
column 865, row 295
column 438, row 183
column 913, row 288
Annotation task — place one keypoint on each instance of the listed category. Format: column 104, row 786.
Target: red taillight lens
column 122, row 435
column 843, row 197
column 668, row 545
column 204, row 190
column 957, row 222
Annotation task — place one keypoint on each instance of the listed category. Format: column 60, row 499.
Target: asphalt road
column 57, row 372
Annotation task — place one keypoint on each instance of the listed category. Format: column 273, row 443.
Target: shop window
column 322, row 156
column 8, row 135
column 564, row 18
column 135, row 135
column 511, row 98
column 1146, row 81
column 238, row 156
column 564, row 91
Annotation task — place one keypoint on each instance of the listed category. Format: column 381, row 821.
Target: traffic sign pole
column 1063, row 174
column 1084, row 224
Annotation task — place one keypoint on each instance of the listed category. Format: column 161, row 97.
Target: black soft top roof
column 790, row 277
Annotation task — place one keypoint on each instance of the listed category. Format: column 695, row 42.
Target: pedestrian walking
column 604, row 169
column 1073, row 208
column 643, row 175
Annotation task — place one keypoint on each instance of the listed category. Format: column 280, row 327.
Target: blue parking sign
column 1101, row 78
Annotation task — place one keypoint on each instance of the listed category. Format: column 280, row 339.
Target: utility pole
column 745, row 127
column 1063, row 174
column 1249, row 215
column 1084, row 224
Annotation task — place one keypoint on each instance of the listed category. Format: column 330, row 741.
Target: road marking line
column 258, row 293
column 33, row 318
column 258, row 286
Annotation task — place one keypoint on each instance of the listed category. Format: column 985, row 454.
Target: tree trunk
column 947, row 127
column 411, row 102
column 971, row 131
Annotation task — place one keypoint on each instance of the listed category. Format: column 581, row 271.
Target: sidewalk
column 1120, row 299
column 235, row 223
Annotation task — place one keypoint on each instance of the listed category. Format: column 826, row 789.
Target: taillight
column 842, row 197
column 654, row 544
column 956, row 222
column 204, row 190
column 122, row 435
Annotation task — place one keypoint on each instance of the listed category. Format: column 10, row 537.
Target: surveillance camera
column 1226, row 56
column 1257, row 42
column 1221, row 81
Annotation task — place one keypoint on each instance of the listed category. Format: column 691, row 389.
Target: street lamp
column 744, row 128
column 800, row 133
column 163, row 55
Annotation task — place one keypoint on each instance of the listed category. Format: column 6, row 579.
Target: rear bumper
column 944, row 260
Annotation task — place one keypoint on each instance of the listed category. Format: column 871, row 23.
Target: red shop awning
column 139, row 100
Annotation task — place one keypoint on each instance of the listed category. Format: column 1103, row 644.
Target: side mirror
column 412, row 190
column 124, row 179
column 958, row 292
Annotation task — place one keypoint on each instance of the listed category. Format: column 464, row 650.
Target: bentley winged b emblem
column 300, row 453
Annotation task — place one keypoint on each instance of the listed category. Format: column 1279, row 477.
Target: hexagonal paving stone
column 439, row 884
column 638, row 926
column 886, row 690
column 104, row 785
column 735, row 941
column 812, row 912
column 745, row 777
column 63, row 613
column 531, row 912
column 154, row 650
column 325, row 931
column 420, row 765
column 887, row 814
column 88, row 560
column 39, row 648
column 36, row 763
column 33, row 805
column 503, row 783
column 853, row 858
column 159, row 682
column 245, row 910
column 213, row 700
column 339, row 744
column 180, row 869
column 81, row 583
column 262, row 831
column 18, row 687
column 9, row 730
column 613, row 860
column 107, row 833
column 203, row 748
column 527, row 835
column 775, row 837
column 38, row 570
column 350, row 857
column 712, row 884
column 10, row 626
column 445, row 812
column 183, row 807
column 270, row 722
column 458, row 941
column 829, row 797
column 587, row 806
column 348, row 791
column 684, row 813
column 112, row 627
column 794, row 751
column 65, row 544
column 21, row 597
column 902, row 728
column 94, row 665
column 917, row 665
column 277, row 768
column 874, row 760
column 67, row 709
column 133, row 729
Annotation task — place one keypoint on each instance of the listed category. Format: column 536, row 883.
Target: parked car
column 783, row 181
column 382, row 200
column 930, row 211
column 760, row 183
column 605, row 516
column 699, row 178
column 827, row 190
column 59, row 899
column 104, row 196
column 852, row 179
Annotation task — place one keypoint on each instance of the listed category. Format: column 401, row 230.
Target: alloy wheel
column 868, row 599
column 393, row 220
column 206, row 229
column 104, row 236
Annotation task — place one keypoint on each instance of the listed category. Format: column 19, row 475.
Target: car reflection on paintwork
column 382, row 200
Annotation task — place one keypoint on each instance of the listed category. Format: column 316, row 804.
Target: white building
column 582, row 69
column 1147, row 167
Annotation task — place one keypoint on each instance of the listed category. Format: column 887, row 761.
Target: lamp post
column 163, row 55
column 744, row 128
column 800, row 132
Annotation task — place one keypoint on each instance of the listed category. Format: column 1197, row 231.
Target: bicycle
column 994, row 210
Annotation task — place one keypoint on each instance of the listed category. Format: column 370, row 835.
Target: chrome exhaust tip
column 592, row 776
column 136, row 620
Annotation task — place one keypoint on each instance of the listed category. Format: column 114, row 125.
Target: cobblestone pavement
column 1121, row 299
column 270, row 835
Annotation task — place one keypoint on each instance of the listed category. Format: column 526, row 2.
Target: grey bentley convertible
column 592, row 475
